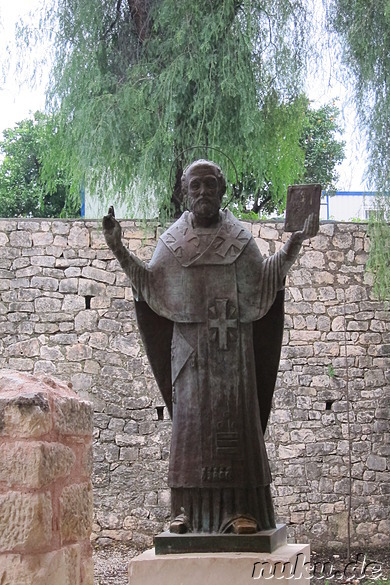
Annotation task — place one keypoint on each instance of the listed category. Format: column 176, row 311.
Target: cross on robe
column 222, row 323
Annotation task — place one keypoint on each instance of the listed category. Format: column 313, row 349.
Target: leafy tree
column 137, row 82
column 364, row 29
column 24, row 190
column 323, row 150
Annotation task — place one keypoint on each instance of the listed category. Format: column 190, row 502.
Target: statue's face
column 203, row 192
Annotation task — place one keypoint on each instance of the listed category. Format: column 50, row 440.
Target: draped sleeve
column 259, row 279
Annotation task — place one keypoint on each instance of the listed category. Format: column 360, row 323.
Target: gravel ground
column 111, row 566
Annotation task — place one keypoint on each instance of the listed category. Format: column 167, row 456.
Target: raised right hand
column 111, row 229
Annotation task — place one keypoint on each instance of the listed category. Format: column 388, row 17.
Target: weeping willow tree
column 135, row 84
column 364, row 29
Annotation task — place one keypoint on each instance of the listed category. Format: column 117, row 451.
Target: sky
column 18, row 101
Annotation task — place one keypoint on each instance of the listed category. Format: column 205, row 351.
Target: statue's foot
column 180, row 525
column 240, row 525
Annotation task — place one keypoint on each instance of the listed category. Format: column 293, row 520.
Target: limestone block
column 100, row 302
column 373, row 378
column 25, row 521
column 342, row 241
column 55, row 251
column 291, row 451
column 327, row 228
column 44, row 367
column 91, row 287
column 22, row 307
column 35, row 464
column 40, row 260
column 327, row 349
column 76, row 512
column 10, row 253
column 81, row 382
column 20, row 263
column 312, row 259
column 303, row 436
column 268, row 233
column 44, row 283
column 128, row 345
column 29, row 271
column 8, row 225
column 86, row 320
column 51, row 353
column 28, row 294
column 21, row 364
column 320, row 242
column 286, row 562
column 26, row 415
column 305, row 336
column 60, row 241
column 42, row 238
column 20, row 239
column 78, row 352
column 78, row 237
column 97, row 240
column 60, row 227
column 28, row 348
column 3, row 239
column 376, row 463
column 87, row 572
column 98, row 274
column 69, row 285
column 98, row 340
column 60, row 567
column 73, row 303
column 116, row 291
column 47, row 305
column 263, row 246
column 73, row 416
column 322, row 277
column 72, row 272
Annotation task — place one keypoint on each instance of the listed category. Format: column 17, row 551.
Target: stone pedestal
column 45, row 482
column 264, row 541
column 288, row 562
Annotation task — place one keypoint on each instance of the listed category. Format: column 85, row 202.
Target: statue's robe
column 211, row 319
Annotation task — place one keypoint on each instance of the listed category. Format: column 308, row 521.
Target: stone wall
column 45, row 482
column 66, row 309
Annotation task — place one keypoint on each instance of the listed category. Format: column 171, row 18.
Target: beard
column 205, row 207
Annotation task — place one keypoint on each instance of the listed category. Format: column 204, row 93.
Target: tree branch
column 139, row 11
column 112, row 25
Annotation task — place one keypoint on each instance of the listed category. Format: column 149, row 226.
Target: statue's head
column 203, row 186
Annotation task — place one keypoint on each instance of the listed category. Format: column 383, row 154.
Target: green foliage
column 317, row 147
column 135, row 84
column 24, row 190
column 323, row 152
column 364, row 29
column 379, row 256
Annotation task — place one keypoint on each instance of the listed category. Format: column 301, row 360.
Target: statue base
column 289, row 562
column 168, row 543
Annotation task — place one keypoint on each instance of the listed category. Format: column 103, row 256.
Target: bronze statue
column 210, row 312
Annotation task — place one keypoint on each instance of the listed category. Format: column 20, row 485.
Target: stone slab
column 264, row 541
column 286, row 563
column 60, row 567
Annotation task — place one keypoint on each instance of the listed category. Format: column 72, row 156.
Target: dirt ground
column 111, row 566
